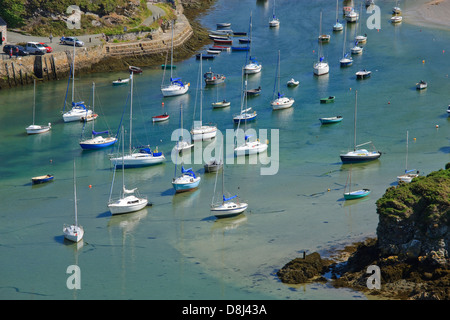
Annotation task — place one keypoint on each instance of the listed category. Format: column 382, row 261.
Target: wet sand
column 433, row 13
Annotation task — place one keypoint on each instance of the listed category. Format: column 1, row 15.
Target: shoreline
column 432, row 14
column 94, row 58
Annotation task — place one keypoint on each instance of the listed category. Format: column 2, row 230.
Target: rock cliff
column 411, row 248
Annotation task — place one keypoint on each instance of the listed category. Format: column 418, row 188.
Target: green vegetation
column 429, row 196
column 43, row 17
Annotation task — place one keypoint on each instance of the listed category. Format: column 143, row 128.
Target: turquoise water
column 175, row 249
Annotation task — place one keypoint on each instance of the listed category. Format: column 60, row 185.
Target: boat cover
column 189, row 172
column 226, row 199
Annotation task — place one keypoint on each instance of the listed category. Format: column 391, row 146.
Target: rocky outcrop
column 414, row 220
column 411, row 249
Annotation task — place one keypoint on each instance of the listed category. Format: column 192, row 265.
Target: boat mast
column 171, row 55
column 406, row 164
column 34, row 99
column 131, row 107
column 75, row 193
column 201, row 88
column 73, row 72
column 354, row 126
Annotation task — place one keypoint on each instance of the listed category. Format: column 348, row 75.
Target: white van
column 35, row 48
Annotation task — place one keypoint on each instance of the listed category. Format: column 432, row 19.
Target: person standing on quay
column 50, row 37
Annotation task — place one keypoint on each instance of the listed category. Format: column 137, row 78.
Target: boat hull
column 356, row 194
column 331, row 120
column 359, row 156
column 228, row 210
column 174, row 90
column 321, row 68
column 97, row 143
column 138, row 160
column 127, row 205
column 407, row 178
column 282, row 103
column 73, row 233
column 250, row 148
column 160, row 118
column 42, row 179
column 36, row 129
column 76, row 115
column 203, row 133
column 183, row 186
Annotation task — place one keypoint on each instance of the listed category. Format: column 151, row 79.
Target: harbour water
column 175, row 249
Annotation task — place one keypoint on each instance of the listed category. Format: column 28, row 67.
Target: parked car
column 49, row 49
column 35, row 48
column 22, row 50
column 71, row 40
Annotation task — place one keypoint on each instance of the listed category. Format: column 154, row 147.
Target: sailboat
column 280, row 101
column 274, row 21
column 338, row 26
column 248, row 147
column 321, row 67
column 129, row 200
column 408, row 175
column 202, row 132
column 79, row 109
column 176, row 86
column 97, row 141
column 181, row 144
column 356, row 194
column 187, row 181
column 74, row 232
column 322, row 37
column 360, row 38
column 226, row 208
column 35, row 128
column 359, row 155
column 346, row 60
column 137, row 158
column 253, row 66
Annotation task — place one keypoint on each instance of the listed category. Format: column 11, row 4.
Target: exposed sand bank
column 433, row 13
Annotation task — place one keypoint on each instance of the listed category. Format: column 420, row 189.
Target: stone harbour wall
column 53, row 66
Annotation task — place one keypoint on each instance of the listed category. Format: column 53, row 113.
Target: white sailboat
column 202, row 132
column 408, row 175
column 321, row 67
column 359, row 155
column 280, row 101
column 130, row 200
column 355, row 194
column 253, row 66
column 248, row 147
column 74, row 232
column 274, row 21
column 226, row 208
column 337, row 26
column 35, row 128
column 346, row 60
column 97, row 141
column 137, row 157
column 176, row 87
column 360, row 38
column 79, row 109
column 182, row 145
column 322, row 37
column 352, row 16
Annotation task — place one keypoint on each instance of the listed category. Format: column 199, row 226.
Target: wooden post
column 7, row 73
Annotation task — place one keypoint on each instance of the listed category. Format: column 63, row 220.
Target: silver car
column 71, row 40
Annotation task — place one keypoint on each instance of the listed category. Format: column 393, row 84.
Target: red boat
column 223, row 41
column 135, row 69
column 161, row 117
